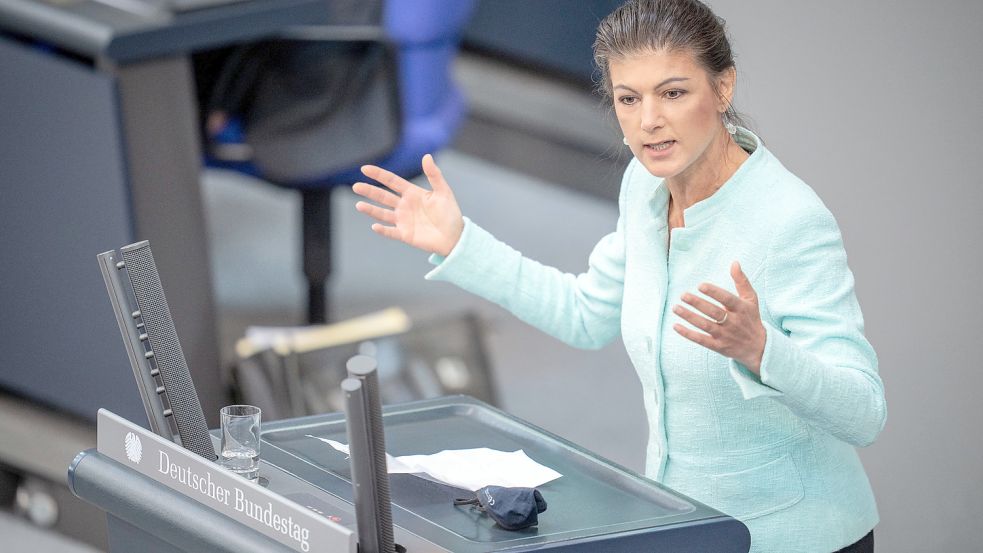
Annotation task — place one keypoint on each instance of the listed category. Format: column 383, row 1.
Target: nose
column 651, row 116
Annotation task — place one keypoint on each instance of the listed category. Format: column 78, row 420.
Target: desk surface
column 125, row 31
column 595, row 500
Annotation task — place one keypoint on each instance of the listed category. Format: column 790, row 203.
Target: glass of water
column 240, row 439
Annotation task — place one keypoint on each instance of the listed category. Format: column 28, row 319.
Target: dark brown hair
column 664, row 25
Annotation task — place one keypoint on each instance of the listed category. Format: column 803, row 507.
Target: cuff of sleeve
column 445, row 264
column 751, row 385
column 436, row 259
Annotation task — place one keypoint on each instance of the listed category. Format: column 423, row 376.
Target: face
column 668, row 110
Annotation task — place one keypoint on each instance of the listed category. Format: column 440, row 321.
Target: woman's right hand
column 427, row 219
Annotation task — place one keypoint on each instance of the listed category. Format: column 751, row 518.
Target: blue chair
column 307, row 109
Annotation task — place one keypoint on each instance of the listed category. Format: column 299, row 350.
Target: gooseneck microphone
column 367, row 443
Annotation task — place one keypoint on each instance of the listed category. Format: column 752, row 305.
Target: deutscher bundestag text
column 237, row 500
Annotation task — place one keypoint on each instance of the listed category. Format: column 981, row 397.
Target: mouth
column 660, row 146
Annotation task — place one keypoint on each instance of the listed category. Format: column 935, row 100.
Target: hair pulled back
column 640, row 26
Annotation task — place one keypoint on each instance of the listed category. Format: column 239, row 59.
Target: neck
column 705, row 176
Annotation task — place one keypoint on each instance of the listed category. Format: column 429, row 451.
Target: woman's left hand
column 735, row 330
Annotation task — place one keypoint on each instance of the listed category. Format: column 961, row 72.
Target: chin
column 661, row 170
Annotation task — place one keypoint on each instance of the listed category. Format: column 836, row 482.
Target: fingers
column 711, row 310
column 391, row 180
column 376, row 212
column 398, row 184
column 376, row 194
column 388, row 232
column 434, row 175
column 694, row 336
column 728, row 300
column 731, row 301
column 741, row 281
column 702, row 323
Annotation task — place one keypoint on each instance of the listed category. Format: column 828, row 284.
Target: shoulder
column 783, row 203
column 784, row 222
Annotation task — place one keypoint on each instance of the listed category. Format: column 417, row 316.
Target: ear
column 725, row 87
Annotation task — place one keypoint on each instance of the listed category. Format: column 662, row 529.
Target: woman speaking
column 726, row 277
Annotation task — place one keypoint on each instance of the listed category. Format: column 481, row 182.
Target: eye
column 674, row 94
column 628, row 100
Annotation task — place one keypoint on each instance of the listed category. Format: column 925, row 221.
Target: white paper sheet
column 471, row 469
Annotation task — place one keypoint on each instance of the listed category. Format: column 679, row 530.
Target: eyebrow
column 660, row 85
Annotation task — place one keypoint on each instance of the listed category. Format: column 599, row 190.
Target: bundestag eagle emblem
column 134, row 449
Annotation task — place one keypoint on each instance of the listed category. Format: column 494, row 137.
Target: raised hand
column 427, row 219
column 735, row 330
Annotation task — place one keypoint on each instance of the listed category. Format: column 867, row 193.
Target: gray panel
column 124, row 537
column 98, row 30
column 62, row 200
column 163, row 155
column 70, row 186
column 156, row 519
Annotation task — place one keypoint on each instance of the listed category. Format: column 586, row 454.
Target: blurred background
column 227, row 134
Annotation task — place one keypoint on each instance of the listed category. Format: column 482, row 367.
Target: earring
column 624, row 140
column 731, row 128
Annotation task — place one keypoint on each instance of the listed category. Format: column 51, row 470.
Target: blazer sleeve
column 816, row 361
column 582, row 310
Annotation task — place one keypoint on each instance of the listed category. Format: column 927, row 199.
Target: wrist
column 454, row 238
column 757, row 355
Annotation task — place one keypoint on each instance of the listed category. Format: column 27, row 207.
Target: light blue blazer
column 777, row 452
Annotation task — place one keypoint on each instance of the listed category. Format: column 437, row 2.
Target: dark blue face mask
column 511, row 508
